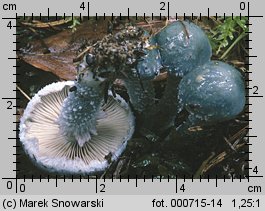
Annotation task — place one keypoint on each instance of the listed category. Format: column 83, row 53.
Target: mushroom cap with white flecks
column 183, row 46
column 48, row 148
column 148, row 67
column 212, row 92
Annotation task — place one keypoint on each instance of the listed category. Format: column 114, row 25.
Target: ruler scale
column 131, row 192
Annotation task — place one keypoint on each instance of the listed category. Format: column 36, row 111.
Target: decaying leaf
column 57, row 52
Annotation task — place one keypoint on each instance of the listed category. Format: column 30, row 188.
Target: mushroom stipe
column 43, row 142
column 67, row 128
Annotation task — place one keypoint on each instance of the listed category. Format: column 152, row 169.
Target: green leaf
column 226, row 33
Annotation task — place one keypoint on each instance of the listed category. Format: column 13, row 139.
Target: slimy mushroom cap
column 49, row 148
column 149, row 66
column 212, row 92
column 183, row 46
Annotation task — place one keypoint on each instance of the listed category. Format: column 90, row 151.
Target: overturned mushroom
column 74, row 146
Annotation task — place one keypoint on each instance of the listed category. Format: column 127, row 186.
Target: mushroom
column 212, row 93
column 67, row 130
column 131, row 56
column 139, row 82
column 183, row 46
column 77, row 118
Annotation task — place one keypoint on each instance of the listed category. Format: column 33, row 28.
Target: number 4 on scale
column 9, row 25
column 82, row 6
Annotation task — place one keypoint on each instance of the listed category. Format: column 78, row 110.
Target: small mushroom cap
column 183, row 46
column 43, row 142
column 212, row 92
column 149, row 67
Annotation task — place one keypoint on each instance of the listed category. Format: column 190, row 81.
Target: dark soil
column 218, row 151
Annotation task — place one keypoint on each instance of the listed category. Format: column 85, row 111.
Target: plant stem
column 242, row 35
column 23, row 93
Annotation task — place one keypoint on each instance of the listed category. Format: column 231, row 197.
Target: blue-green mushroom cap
column 149, row 67
column 212, row 92
column 183, row 46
